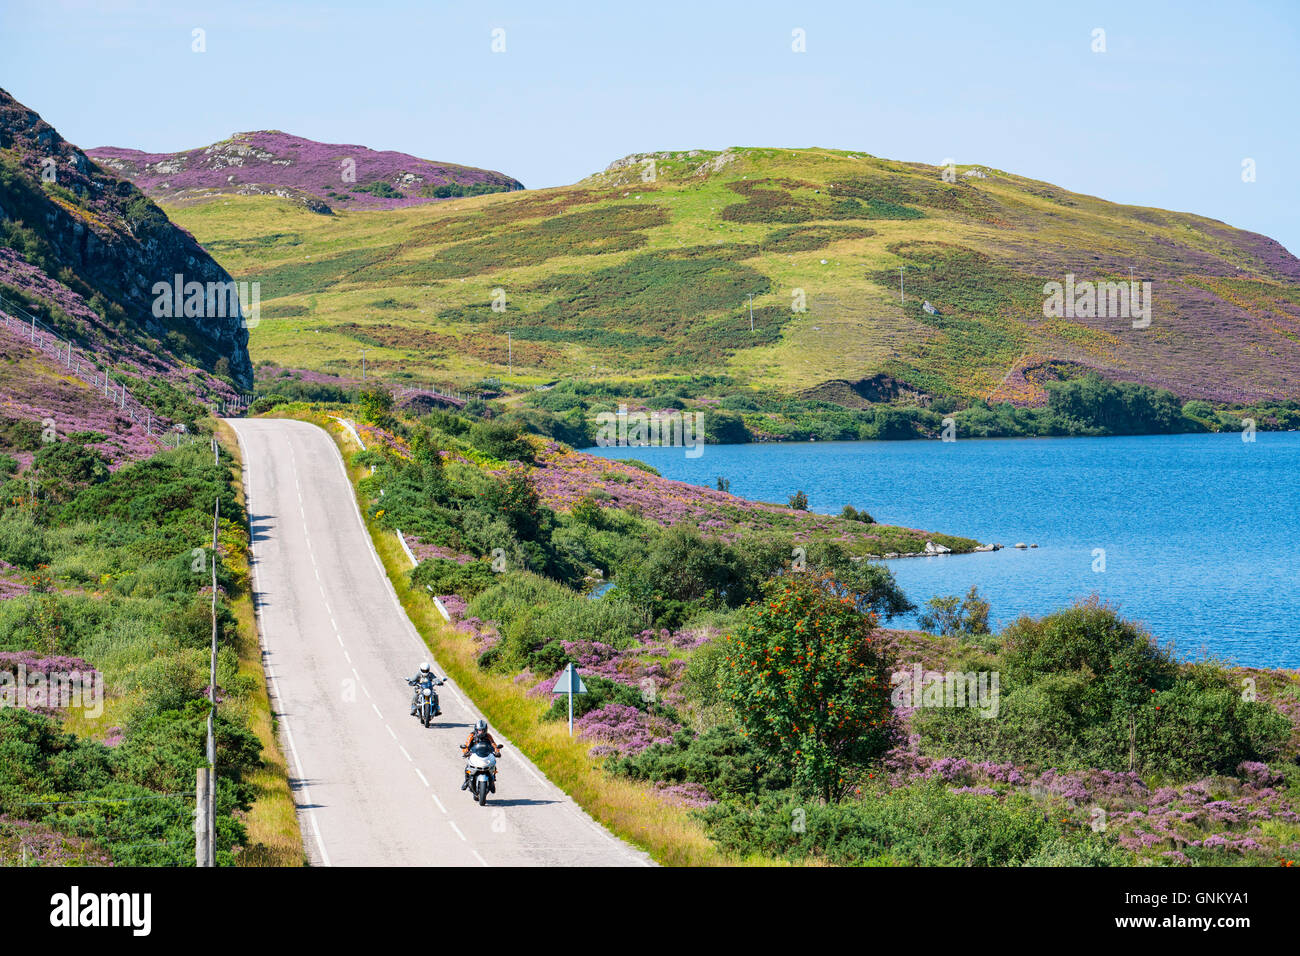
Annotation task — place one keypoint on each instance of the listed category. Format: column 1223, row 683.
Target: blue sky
column 1183, row 93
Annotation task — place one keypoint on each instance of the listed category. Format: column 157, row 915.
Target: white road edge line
column 513, row 752
column 282, row 719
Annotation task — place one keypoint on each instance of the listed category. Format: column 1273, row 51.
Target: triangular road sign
column 569, row 680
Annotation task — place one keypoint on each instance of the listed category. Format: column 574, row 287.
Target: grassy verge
column 274, row 838
column 630, row 811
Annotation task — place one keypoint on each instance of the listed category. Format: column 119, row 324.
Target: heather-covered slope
column 618, row 278
column 316, row 175
column 98, row 236
column 80, row 252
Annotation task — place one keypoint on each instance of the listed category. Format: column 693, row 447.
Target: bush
column 725, row 428
column 851, row 513
column 444, row 576
column 808, row 685
column 920, row 825
column 600, row 692
column 64, row 467
column 22, row 540
column 1084, row 688
column 956, row 617
column 533, row 613
column 721, row 759
column 501, row 440
column 376, row 404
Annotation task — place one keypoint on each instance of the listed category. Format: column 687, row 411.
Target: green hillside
column 617, row 279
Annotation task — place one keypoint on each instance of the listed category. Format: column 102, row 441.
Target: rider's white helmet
column 424, row 668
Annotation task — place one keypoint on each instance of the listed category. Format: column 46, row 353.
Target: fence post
column 201, row 807
column 212, row 692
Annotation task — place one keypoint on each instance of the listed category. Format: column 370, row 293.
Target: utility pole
column 211, row 811
column 900, row 285
column 751, row 312
column 363, row 364
column 510, row 344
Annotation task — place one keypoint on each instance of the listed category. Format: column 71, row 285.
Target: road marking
column 458, row 698
column 269, row 670
column 390, row 731
column 404, row 753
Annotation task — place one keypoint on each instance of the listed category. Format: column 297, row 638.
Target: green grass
column 274, row 836
column 616, row 278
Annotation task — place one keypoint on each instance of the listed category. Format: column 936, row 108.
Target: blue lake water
column 1200, row 532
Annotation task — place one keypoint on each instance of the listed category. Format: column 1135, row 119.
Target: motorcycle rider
column 478, row 735
column 423, row 678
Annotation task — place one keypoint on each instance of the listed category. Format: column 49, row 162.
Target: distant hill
column 645, row 269
column 318, row 176
column 81, row 252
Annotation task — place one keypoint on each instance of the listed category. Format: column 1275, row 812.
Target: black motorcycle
column 426, row 700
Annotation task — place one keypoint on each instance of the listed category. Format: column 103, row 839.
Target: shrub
column 376, row 404
column 721, row 759
column 22, row 540
column 955, row 617
column 444, row 576
column 501, row 440
column 851, row 513
column 1084, row 688
column 920, row 825
column 63, row 467
column 808, row 684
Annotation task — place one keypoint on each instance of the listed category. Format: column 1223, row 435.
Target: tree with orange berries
column 809, row 683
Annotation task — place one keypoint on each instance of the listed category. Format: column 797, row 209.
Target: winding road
column 371, row 785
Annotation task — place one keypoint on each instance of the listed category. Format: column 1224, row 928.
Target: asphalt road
column 373, row 786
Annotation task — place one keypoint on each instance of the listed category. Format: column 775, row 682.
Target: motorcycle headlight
column 427, row 692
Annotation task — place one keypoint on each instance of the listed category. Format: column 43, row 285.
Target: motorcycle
column 481, row 768
column 426, row 701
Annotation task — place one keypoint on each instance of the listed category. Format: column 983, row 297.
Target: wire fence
column 94, row 372
column 406, row 392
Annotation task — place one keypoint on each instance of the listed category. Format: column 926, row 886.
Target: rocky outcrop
column 113, row 239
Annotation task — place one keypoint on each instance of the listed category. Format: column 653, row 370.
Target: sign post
column 570, row 683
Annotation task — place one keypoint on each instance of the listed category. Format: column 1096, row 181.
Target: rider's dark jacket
column 484, row 736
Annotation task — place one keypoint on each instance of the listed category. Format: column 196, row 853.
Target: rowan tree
column 809, row 682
